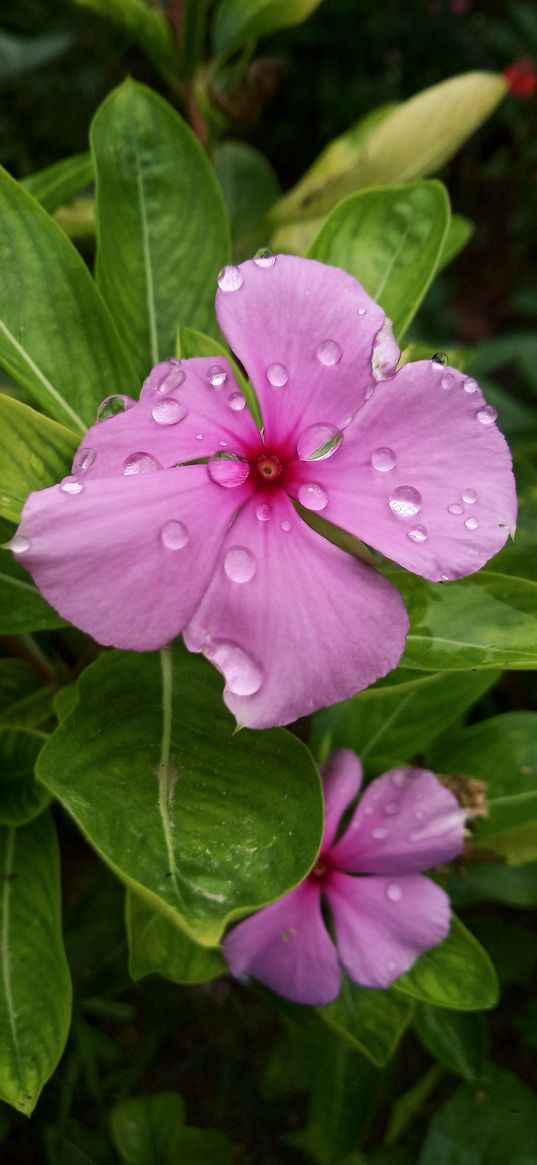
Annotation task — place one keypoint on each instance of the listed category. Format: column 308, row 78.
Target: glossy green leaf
column 24, row 700
column 143, row 24
column 457, row 1039
column 205, row 839
column 57, row 338
column 35, row 452
column 491, row 1122
column 457, row 974
column 372, row 1021
column 151, row 1131
column 157, row 946
column 33, row 1023
column 191, row 343
column 21, row 798
column 391, row 240
column 250, row 187
column 60, row 182
column 162, row 228
column 240, row 21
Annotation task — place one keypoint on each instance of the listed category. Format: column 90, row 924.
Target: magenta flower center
column 269, row 467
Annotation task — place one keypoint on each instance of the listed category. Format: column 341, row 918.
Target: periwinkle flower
column 143, row 542
column 385, row 913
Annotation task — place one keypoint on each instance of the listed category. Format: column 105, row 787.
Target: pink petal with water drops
column 181, row 416
column 382, row 925
column 293, row 622
column 406, row 821
column 423, row 474
column 342, row 777
column 127, row 558
column 305, row 333
column 287, row 947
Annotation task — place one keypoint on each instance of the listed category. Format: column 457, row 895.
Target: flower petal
column 423, row 475
column 293, row 622
column 342, row 777
column 383, row 924
column 181, row 416
column 287, row 947
column 127, row 558
column 305, row 333
column 405, row 821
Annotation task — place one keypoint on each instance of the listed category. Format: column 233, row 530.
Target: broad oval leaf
column 35, row 452
column 150, row 1130
column 218, row 823
column 456, row 1039
column 35, row 989
column 21, row 798
column 162, row 228
column 457, row 974
column 157, row 946
column 239, row 21
column 372, row 1021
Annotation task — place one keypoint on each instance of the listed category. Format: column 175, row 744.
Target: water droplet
column 405, row 502
column 469, row 496
column 264, row 513
column 286, row 526
column 369, row 392
column 470, row 385
column 313, row 496
column 329, row 353
column 140, row 463
column 230, row 279
column 455, row 508
column 169, row 411
column 264, row 258
column 71, row 485
column 240, row 564
column 217, row 375
column 417, row 534
column 383, row 459
column 113, row 405
column 243, row 675
column 174, row 535
column 277, row 375
column 487, row 415
column 392, row 808
column 223, row 444
column 444, row 578
column 18, row 544
column 199, row 436
column 471, row 524
column 448, row 380
column 394, row 892
column 173, row 378
column 361, row 311
column 400, row 778
column 237, row 402
column 83, row 459
column 318, row 442
column 228, row 469
column 380, row 833
column 439, row 358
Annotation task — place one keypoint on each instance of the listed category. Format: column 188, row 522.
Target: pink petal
column 127, row 558
column 287, row 947
column 297, row 328
column 180, row 417
column 441, row 461
column 342, row 777
column 405, row 821
column 293, row 622
column 383, row 924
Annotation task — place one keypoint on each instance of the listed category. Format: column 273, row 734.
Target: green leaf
column 35, row 452
column 70, row 1143
column 162, row 229
column 193, row 35
column 460, row 231
column 457, row 974
column 22, row 608
column 458, row 1040
column 492, row 1122
column 191, row 343
column 24, row 701
column 33, row 1022
column 240, row 21
column 205, row 840
column 57, row 338
column 487, row 882
column 143, row 25
column 60, row 182
column 391, row 240
column 250, row 187
column 372, row 1021
column 151, row 1131
column 21, row 798
column 158, row 946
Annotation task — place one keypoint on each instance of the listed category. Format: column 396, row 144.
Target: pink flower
column 383, row 918
column 134, row 550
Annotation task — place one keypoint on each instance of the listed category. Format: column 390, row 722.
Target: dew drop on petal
column 405, row 501
column 263, row 513
column 277, row 375
column 470, row 385
column 199, row 436
column 469, row 496
column 83, row 459
column 487, row 415
column 393, row 892
column 455, row 508
column 264, row 258
column 18, row 544
column 223, row 444
column 392, row 808
column 318, row 442
column 448, row 380
column 444, row 578
column 380, row 833
column 471, row 524
column 417, row 534
column 228, row 469
column 169, row 411
column 286, row 526
column 361, row 311
column 400, row 778
column 174, row 535
column 329, row 353
column 71, row 485
column 113, row 405
column 242, row 674
column 313, row 496
column 240, row 564
column 439, row 358
column 140, row 463
column 217, row 375
column 237, row 402
column 230, row 279
column 173, row 378
column 383, row 459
